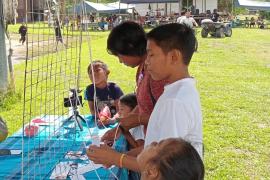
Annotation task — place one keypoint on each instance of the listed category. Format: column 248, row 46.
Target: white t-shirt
column 180, row 18
column 177, row 113
column 137, row 132
column 190, row 21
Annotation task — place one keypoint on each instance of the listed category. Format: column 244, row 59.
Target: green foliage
column 225, row 5
column 265, row 14
column 7, row 100
column 240, row 10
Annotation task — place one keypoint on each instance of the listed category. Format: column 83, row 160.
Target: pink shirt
column 145, row 84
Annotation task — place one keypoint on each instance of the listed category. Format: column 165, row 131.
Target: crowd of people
column 110, row 21
column 162, row 120
column 252, row 22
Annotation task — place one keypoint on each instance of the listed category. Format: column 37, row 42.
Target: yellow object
column 121, row 160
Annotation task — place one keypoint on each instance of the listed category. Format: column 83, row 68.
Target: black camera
column 74, row 99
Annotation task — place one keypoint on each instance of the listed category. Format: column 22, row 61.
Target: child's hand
column 97, row 154
column 106, row 122
column 110, row 135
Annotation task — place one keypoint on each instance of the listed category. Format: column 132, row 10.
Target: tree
column 225, row 5
column 3, row 57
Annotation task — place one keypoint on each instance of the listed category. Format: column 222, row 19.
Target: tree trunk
column 62, row 9
column 3, row 57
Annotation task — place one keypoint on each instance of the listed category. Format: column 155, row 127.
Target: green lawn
column 233, row 81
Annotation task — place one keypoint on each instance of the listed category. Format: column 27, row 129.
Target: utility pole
column 3, row 56
column 62, row 10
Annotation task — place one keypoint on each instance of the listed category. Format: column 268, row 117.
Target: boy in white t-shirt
column 188, row 20
column 177, row 113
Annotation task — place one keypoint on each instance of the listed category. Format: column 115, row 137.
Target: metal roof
column 147, row 1
column 251, row 4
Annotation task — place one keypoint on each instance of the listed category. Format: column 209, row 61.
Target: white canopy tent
column 91, row 7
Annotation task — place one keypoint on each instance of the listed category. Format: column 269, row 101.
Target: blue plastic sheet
column 48, row 148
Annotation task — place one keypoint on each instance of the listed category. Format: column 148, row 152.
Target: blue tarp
column 44, row 151
column 254, row 5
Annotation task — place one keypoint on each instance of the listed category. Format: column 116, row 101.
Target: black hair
column 128, row 38
column 175, row 36
column 129, row 100
column 97, row 62
column 178, row 159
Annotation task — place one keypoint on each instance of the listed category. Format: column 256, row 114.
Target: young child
column 135, row 136
column 177, row 113
column 22, row 32
column 171, row 159
column 107, row 93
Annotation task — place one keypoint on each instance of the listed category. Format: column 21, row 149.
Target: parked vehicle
column 215, row 29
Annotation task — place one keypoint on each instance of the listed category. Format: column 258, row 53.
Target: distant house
column 35, row 10
column 205, row 5
column 172, row 6
column 253, row 4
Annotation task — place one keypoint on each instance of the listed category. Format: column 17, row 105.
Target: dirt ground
column 35, row 47
column 19, row 50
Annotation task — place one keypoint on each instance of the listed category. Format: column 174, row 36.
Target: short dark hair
column 178, row 160
column 128, row 38
column 97, row 63
column 129, row 100
column 175, row 36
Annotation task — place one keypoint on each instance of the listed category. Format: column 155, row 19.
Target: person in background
column 246, row 22
column 66, row 22
column 22, row 32
column 102, row 23
column 188, row 20
column 252, row 22
column 78, row 22
column 58, row 34
column 182, row 16
column 260, row 22
column 214, row 16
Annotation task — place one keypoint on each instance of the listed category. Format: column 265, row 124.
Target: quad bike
column 215, row 29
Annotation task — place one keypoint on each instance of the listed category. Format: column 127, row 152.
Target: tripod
column 73, row 102
column 77, row 117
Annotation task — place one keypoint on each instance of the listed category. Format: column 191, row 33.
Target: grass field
column 233, row 78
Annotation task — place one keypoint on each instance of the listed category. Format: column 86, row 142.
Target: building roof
column 251, row 4
column 147, row 1
column 99, row 7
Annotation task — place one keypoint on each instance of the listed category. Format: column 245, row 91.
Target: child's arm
column 91, row 107
column 135, row 151
column 133, row 143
